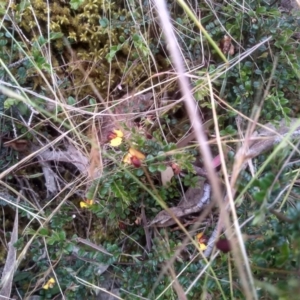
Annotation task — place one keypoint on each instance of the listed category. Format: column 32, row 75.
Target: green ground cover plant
column 101, row 106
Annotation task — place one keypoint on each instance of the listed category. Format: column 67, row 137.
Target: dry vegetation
column 149, row 150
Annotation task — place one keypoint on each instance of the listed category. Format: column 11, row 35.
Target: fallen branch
column 194, row 201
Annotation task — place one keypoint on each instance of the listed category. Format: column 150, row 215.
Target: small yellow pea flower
column 115, row 137
column 134, row 157
column 202, row 241
column 86, row 204
column 50, row 284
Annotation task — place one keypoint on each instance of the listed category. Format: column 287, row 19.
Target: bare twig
column 10, row 263
column 146, row 229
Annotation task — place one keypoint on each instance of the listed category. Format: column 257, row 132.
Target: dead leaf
column 71, row 155
column 138, row 221
column 20, row 145
column 122, row 112
column 166, row 175
column 226, row 46
column 95, row 154
column 231, row 50
column 92, row 245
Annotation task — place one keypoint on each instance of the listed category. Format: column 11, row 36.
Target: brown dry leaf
column 226, row 45
column 95, row 154
column 20, row 145
column 138, row 221
column 71, row 155
column 123, row 111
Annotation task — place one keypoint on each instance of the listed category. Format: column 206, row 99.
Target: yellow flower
column 202, row 241
column 50, row 284
column 202, row 246
column 86, row 204
column 137, row 153
column 127, row 158
column 115, row 137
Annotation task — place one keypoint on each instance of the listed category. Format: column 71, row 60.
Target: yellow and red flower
column 201, row 239
column 115, row 137
column 134, row 157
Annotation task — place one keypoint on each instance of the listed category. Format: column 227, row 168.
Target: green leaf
column 138, row 172
column 75, row 4
column 92, row 101
column 103, row 191
column 112, row 53
column 229, row 130
column 19, row 244
column 261, row 10
column 22, row 74
column 90, row 193
column 259, row 218
column 112, row 215
column 104, row 22
column 9, row 102
column 248, row 85
column 152, row 168
column 259, row 196
column 62, row 235
column 161, row 167
column 71, row 100
column 136, row 38
column 53, row 239
column 20, row 276
column 284, row 255
column 256, row 84
column 258, row 72
column 44, row 232
column 23, row 108
column 56, row 35
column 119, row 190
column 150, row 157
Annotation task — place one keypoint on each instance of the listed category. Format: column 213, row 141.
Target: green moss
column 93, row 30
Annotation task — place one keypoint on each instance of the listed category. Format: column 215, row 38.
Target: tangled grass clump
column 95, row 143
